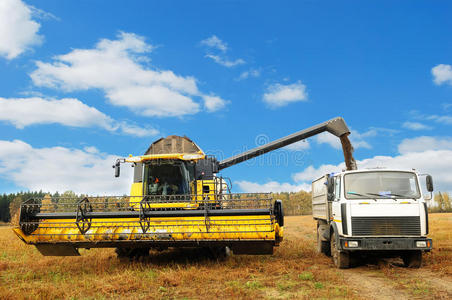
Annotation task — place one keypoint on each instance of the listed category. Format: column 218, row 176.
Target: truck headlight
column 421, row 244
column 351, row 244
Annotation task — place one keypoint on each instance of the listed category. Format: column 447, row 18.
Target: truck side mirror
column 429, row 183
column 330, row 184
column 116, row 166
column 330, row 188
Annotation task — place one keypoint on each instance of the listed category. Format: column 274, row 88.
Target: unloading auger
column 177, row 199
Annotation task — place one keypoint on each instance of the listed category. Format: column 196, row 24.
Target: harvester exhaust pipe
column 336, row 126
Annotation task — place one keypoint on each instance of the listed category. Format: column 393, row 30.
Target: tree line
column 299, row 203
column 294, row 203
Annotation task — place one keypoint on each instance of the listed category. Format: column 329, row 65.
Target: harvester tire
column 131, row 253
column 279, row 213
column 220, row 253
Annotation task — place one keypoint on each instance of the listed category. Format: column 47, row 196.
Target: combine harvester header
column 177, row 199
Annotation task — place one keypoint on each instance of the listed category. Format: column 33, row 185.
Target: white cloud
column 425, row 143
column 278, row 95
column 298, row 146
column 271, row 186
column 311, row 173
column 18, row 31
column 215, row 42
column 224, row 61
column 214, row 103
column 442, row 74
column 216, row 50
column 61, row 169
column 446, row 120
column 425, row 154
column 22, row 112
column 248, row 74
column 415, row 126
column 357, row 139
column 131, row 129
column 117, row 67
column 329, row 139
column 154, row 100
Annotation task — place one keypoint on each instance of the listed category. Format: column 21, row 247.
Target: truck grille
column 386, row 226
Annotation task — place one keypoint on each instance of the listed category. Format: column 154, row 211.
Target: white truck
column 372, row 212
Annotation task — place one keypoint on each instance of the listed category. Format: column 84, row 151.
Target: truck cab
column 376, row 211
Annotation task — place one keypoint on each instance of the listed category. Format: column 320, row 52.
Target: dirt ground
column 295, row 271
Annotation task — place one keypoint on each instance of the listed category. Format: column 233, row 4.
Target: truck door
column 336, row 205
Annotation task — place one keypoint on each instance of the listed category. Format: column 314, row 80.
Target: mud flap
column 57, row 250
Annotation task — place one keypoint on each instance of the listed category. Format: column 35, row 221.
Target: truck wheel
column 322, row 246
column 412, row 259
column 341, row 259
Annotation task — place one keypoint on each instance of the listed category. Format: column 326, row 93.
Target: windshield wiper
column 362, row 195
column 401, row 196
column 386, row 195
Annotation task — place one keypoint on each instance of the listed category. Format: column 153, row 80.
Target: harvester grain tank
column 177, row 199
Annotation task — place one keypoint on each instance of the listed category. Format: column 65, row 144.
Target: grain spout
column 347, row 148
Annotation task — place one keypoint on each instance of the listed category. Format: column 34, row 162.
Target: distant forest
column 298, row 203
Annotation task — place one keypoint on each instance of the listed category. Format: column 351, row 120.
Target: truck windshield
column 380, row 184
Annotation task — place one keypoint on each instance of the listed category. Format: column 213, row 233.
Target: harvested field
column 294, row 271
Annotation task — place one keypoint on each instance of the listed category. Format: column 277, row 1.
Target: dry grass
column 294, row 271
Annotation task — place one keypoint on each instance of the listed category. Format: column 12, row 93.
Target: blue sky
column 84, row 82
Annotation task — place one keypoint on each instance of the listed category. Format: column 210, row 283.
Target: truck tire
column 412, row 259
column 341, row 259
column 322, row 246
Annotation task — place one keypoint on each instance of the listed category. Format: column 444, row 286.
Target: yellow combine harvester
column 177, row 200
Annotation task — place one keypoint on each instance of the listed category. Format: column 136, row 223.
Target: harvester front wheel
column 131, row 253
column 220, row 253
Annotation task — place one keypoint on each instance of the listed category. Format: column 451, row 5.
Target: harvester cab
column 177, row 199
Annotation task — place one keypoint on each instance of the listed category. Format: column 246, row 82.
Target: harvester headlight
column 421, row 244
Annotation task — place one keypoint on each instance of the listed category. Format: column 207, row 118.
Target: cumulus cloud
column 118, row 68
column 215, row 42
column 214, row 103
column 278, row 95
column 357, row 139
column 442, row 74
column 415, row 126
column 248, row 74
column 434, row 156
column 440, row 119
column 60, row 169
column 18, row 31
column 22, row 112
column 424, row 143
column 224, row 61
column 216, row 50
column 271, row 186
column 445, row 119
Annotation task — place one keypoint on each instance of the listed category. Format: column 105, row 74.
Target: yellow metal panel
column 260, row 228
column 137, row 189
column 181, row 156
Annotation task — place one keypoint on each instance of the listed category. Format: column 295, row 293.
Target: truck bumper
column 387, row 243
